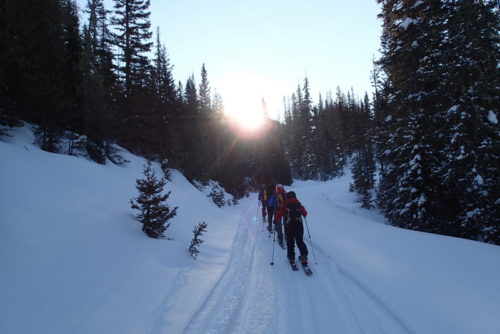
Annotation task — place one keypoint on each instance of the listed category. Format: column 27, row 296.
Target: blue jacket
column 272, row 201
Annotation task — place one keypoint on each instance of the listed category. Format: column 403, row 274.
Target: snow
column 74, row 260
column 479, row 179
column 418, row 3
column 453, row 108
column 492, row 117
column 415, row 162
column 407, row 22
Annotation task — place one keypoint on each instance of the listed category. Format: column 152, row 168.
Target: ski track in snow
column 228, row 308
column 369, row 313
column 252, row 296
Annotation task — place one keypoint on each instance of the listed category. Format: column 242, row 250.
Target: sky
column 265, row 48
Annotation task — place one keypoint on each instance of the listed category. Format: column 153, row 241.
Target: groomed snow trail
column 252, row 296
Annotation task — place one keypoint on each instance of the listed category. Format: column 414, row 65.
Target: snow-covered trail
column 254, row 297
column 74, row 260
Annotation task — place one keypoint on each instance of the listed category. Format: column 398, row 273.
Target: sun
column 245, row 110
column 243, row 102
column 251, row 101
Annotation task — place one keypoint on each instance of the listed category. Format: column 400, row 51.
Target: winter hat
column 291, row 194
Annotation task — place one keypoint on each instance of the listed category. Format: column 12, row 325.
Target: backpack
column 280, row 197
column 294, row 215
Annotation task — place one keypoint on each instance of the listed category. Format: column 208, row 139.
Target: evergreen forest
column 423, row 147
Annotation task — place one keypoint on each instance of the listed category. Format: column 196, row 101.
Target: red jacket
column 283, row 209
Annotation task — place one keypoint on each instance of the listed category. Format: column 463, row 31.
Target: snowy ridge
column 74, row 260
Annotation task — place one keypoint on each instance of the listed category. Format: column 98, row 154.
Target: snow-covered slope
column 74, row 260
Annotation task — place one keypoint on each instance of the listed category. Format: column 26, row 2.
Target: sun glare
column 250, row 100
column 243, row 102
column 245, row 110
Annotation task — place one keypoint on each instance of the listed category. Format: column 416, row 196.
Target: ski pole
column 309, row 234
column 274, row 239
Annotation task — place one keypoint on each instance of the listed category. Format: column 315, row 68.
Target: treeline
column 426, row 149
column 321, row 138
column 109, row 81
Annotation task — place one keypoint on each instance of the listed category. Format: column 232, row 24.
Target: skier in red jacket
column 294, row 229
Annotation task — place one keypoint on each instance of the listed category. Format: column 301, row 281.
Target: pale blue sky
column 271, row 44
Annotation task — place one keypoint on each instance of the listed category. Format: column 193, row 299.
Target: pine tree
column 293, row 134
column 472, row 96
column 164, row 134
column 440, row 58
column 197, row 232
column 409, row 34
column 99, row 84
column 154, row 212
column 363, row 162
column 189, row 134
column 204, row 97
column 363, row 169
column 72, row 73
column 132, row 38
column 298, row 131
column 205, row 127
column 40, row 67
column 309, row 136
column 162, row 76
column 8, row 115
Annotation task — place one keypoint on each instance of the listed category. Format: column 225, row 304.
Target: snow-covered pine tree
column 154, row 212
column 363, row 162
column 470, row 117
column 309, row 136
column 409, row 178
column 336, row 159
column 441, row 62
column 363, row 170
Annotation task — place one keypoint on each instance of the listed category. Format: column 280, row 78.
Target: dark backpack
column 294, row 214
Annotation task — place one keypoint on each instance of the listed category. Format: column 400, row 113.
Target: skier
column 263, row 197
column 277, row 202
column 270, row 209
column 293, row 211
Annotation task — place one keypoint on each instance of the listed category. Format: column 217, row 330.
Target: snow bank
column 431, row 283
column 73, row 258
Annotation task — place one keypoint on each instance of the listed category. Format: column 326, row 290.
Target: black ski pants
column 270, row 213
column 295, row 234
column 278, row 228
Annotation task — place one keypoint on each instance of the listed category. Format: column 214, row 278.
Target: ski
column 294, row 266
column 307, row 270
